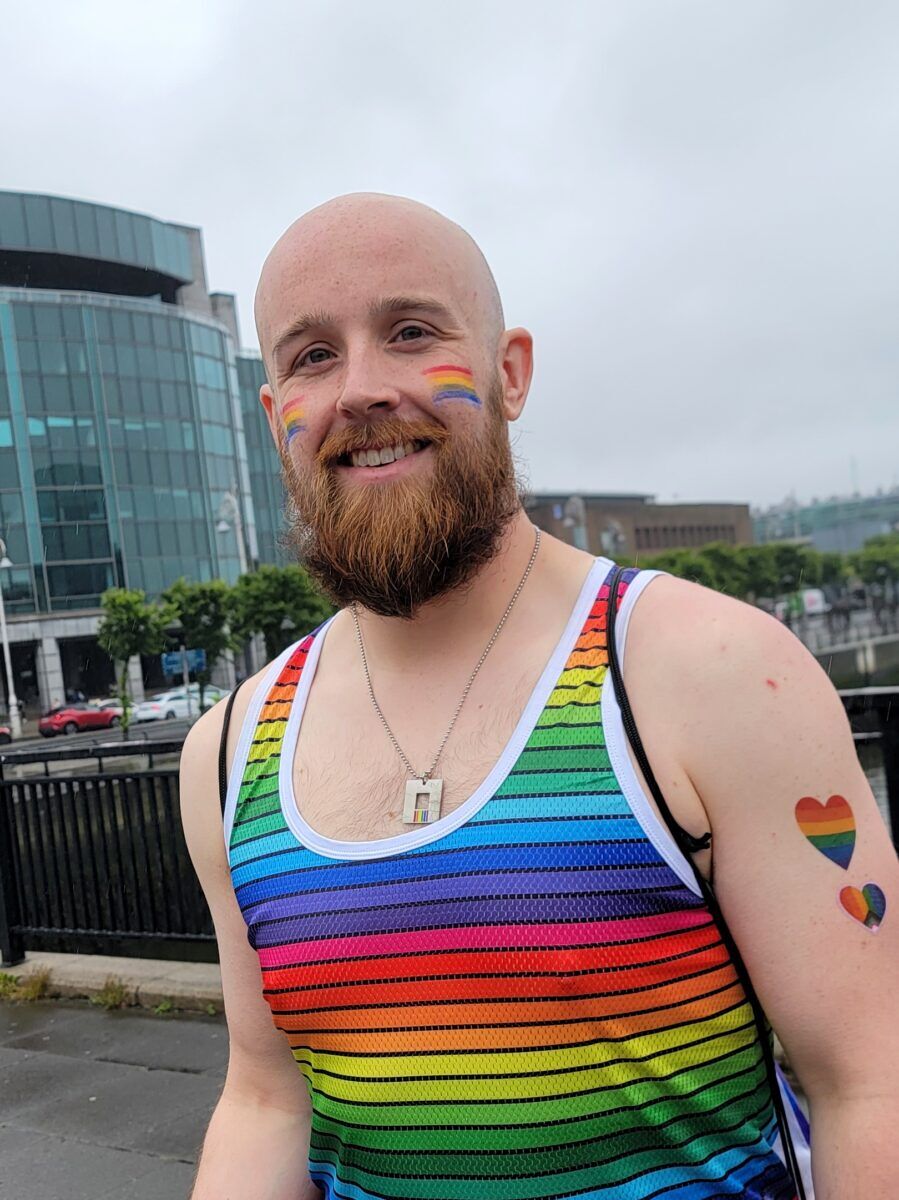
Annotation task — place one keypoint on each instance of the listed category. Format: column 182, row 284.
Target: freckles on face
column 294, row 417
column 450, row 382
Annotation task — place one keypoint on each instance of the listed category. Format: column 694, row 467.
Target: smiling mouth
column 380, row 456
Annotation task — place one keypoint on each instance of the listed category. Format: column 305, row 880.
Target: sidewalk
column 147, row 982
column 101, row 1105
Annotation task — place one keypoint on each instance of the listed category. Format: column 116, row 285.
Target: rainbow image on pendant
column 293, row 417
column 452, row 383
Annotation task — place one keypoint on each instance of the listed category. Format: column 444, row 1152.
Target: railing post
column 889, row 723
column 12, row 946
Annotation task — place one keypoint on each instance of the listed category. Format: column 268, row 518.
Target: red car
column 73, row 718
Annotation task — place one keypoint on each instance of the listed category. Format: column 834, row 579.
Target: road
column 151, row 730
column 98, row 1105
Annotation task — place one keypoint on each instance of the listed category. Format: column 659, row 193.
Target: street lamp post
column 231, row 503
column 15, row 717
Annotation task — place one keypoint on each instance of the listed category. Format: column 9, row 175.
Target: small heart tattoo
column 866, row 906
column 829, row 827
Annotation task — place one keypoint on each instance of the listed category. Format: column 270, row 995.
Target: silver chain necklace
column 421, row 803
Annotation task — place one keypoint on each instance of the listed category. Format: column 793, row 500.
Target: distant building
column 123, row 395
column 630, row 525
column 841, row 523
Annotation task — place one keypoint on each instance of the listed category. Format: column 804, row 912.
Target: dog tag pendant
column 422, row 804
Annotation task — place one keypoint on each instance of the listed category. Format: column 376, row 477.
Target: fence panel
column 97, row 863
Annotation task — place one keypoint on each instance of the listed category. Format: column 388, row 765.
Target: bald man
column 460, row 861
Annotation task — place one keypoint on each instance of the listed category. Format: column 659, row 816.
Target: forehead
column 346, row 270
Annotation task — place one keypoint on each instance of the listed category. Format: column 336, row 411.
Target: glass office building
column 124, row 401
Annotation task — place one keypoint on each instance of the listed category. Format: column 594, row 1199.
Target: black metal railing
column 95, row 862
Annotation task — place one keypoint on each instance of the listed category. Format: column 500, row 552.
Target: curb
column 145, row 982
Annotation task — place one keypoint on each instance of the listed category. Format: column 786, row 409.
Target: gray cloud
column 691, row 204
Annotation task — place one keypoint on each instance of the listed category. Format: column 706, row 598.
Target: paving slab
column 35, row 1166
column 97, row 1104
column 167, row 1043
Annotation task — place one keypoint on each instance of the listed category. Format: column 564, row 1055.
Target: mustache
column 389, row 431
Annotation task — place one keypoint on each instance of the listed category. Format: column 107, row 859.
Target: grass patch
column 211, row 1010
column 113, row 994
column 24, row 988
column 8, row 985
column 164, row 1007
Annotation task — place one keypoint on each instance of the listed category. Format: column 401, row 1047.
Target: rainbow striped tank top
column 528, row 998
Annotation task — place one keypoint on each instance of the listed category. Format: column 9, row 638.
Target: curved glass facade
column 122, row 425
column 58, row 226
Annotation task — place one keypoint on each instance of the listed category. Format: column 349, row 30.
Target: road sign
column 172, row 663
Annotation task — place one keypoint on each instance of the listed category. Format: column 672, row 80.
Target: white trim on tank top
column 382, row 847
column 245, row 740
column 616, row 745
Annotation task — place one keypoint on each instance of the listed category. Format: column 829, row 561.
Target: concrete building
column 628, row 526
column 122, row 435
column 840, row 523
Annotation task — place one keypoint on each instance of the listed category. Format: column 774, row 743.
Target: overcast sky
column 691, row 203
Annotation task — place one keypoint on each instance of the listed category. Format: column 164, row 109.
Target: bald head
column 374, row 246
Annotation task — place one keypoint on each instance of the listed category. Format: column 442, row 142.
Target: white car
column 167, row 706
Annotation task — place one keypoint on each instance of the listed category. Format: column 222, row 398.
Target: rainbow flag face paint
column 452, row 383
column 294, row 418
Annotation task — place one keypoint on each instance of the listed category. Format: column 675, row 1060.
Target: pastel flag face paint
column 450, row 382
column 293, row 417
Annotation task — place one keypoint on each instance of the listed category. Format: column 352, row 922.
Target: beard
column 394, row 546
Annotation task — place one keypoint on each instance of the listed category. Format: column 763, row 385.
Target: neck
column 465, row 618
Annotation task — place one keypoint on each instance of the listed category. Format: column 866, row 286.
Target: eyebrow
column 319, row 319
column 300, row 325
column 392, row 304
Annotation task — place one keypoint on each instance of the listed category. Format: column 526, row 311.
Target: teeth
column 377, row 458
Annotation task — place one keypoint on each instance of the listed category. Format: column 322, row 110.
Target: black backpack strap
column 223, row 749
column 688, row 844
column 685, row 840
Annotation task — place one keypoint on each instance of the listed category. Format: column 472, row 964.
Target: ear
column 267, row 399
column 515, row 362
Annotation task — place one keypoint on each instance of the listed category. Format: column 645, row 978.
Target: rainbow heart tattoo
column 866, row 906
column 294, row 418
column 829, row 827
column 452, row 383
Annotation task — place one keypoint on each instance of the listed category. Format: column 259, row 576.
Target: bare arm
column 760, row 727
column 256, row 1146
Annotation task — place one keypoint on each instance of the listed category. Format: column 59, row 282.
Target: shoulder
column 710, row 635
column 737, row 679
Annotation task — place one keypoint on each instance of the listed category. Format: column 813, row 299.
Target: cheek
column 293, row 418
column 450, row 384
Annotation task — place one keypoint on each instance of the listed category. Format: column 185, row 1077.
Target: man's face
column 387, row 407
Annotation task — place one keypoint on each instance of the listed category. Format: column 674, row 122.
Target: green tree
column 835, row 567
column 728, row 567
column 130, row 625
column 276, row 602
column 685, row 564
column 761, row 572
column 203, row 611
column 878, row 559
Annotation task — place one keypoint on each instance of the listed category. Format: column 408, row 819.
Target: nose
column 365, row 391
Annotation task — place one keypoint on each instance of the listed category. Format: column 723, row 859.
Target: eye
column 309, row 359
column 415, row 332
